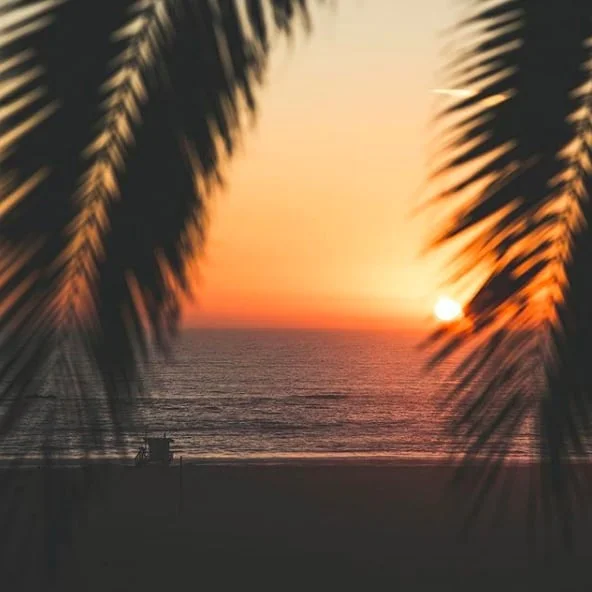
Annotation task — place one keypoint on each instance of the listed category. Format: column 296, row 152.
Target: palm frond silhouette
column 115, row 120
column 514, row 159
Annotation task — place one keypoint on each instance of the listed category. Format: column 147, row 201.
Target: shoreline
column 287, row 460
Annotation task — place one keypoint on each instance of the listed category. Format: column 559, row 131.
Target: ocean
column 296, row 394
column 264, row 395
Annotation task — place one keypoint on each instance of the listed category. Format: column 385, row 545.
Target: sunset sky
column 315, row 226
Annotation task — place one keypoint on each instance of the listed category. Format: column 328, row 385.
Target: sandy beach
column 314, row 526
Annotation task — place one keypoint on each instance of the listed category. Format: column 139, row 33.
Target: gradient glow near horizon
column 315, row 225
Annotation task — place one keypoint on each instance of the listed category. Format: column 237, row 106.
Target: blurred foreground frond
column 514, row 162
column 115, row 119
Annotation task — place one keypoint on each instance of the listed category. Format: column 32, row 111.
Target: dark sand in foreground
column 311, row 526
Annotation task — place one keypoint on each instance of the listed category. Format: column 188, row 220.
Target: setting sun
column 447, row 309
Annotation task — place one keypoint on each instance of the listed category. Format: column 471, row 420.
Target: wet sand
column 313, row 527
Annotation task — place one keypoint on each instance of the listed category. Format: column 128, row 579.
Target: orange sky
column 314, row 227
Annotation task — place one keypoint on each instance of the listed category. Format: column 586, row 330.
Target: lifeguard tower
column 155, row 450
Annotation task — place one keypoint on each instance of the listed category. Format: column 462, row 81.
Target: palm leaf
column 512, row 159
column 116, row 119
column 210, row 57
column 112, row 137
